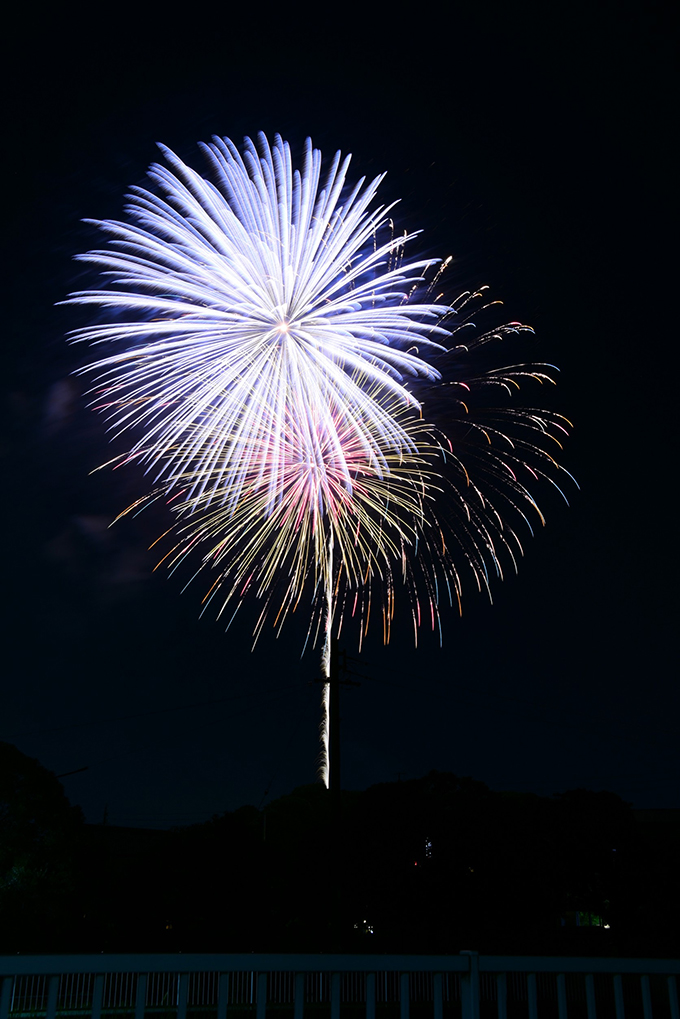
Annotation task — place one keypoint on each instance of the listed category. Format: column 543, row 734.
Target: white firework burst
column 252, row 298
column 268, row 350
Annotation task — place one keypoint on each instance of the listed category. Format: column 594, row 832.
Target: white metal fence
column 465, row 986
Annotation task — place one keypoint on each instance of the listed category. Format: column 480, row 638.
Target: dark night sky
column 534, row 146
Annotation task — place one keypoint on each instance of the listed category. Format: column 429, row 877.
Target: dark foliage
column 40, row 838
column 439, row 864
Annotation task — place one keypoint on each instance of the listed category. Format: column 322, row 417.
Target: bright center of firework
column 283, row 326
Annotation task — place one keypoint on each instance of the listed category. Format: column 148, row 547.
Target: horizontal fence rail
column 465, row 986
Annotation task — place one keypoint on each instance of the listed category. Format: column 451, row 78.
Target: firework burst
column 270, row 358
column 314, row 531
column 251, row 301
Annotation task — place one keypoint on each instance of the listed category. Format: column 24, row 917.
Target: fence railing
column 465, row 986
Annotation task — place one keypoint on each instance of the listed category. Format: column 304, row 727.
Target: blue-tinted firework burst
column 272, row 362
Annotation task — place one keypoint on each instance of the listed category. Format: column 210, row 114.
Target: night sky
column 533, row 144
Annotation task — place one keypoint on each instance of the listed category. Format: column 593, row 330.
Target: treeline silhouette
column 437, row 864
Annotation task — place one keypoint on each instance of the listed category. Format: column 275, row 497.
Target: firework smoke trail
column 324, row 726
column 324, row 770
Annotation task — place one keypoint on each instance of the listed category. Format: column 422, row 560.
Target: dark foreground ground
column 438, row 864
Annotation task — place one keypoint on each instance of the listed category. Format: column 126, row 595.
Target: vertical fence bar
column 52, row 994
column 222, row 995
column 469, row 987
column 438, row 995
column 140, row 1000
column 97, row 995
column 370, row 996
column 183, row 996
column 618, row 997
column 404, row 996
column 562, row 996
column 646, row 996
column 261, row 995
column 590, row 996
column 299, row 995
column 531, row 994
column 672, row 998
column 335, row 995
column 6, row 996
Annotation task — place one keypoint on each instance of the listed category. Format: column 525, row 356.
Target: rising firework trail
column 273, row 353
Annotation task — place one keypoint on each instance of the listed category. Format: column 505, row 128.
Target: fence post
column 335, row 995
column 438, row 994
column 404, row 995
column 6, row 996
column 469, row 986
column 590, row 996
column 562, row 997
column 646, row 997
column 299, row 995
column 261, row 995
column 673, row 998
column 183, row 996
column 532, row 996
column 502, row 995
column 52, row 993
column 97, row 995
column 618, row 997
column 222, row 996
column 140, row 997
column 370, row 996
